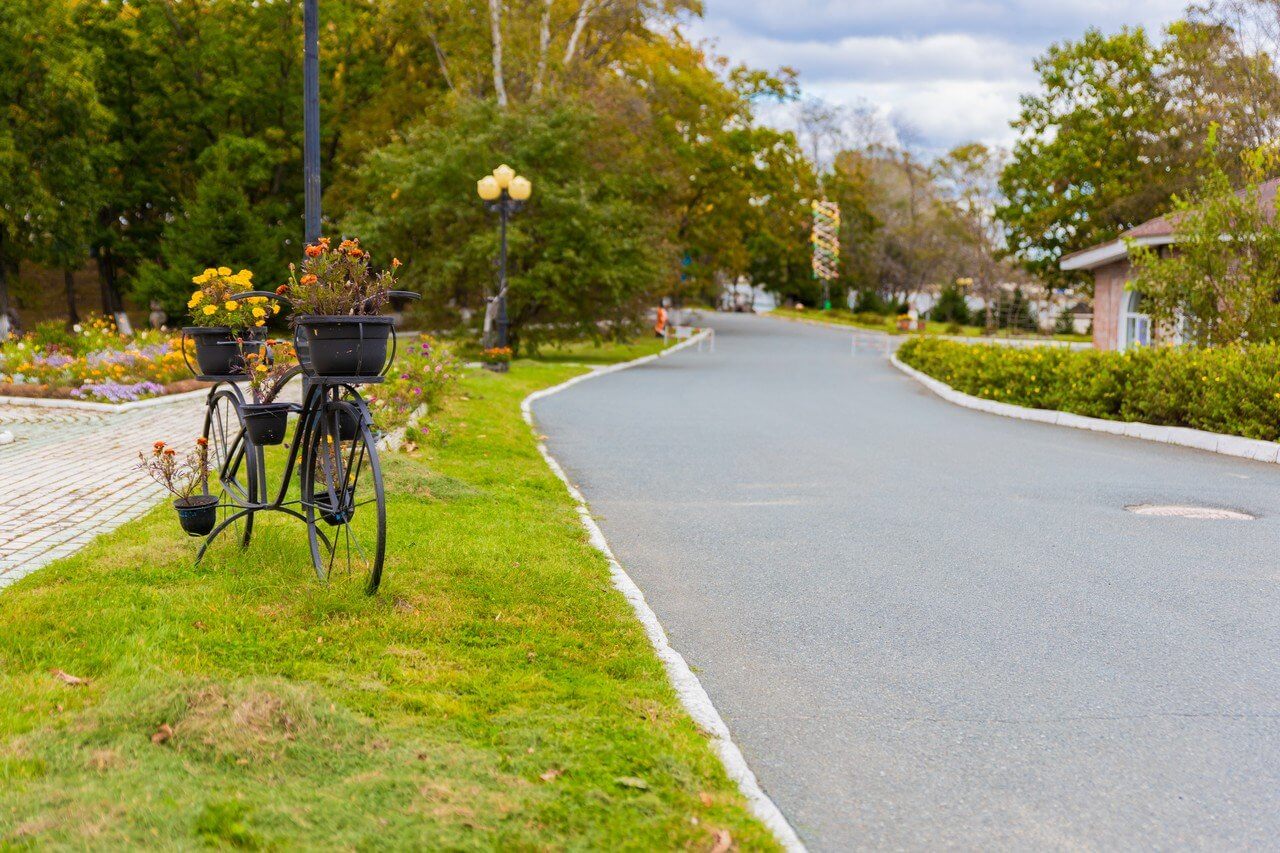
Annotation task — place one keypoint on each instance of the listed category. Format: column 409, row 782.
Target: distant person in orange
column 660, row 328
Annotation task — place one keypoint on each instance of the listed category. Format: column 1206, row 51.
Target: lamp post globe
column 488, row 189
column 521, row 188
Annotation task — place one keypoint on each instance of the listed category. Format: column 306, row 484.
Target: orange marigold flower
column 169, row 451
column 282, row 289
column 314, row 251
column 158, row 444
column 202, row 441
column 308, row 279
column 395, row 262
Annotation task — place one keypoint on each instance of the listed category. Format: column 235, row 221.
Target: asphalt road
column 928, row 626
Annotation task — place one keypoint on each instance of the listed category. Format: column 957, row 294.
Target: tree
column 970, row 178
column 1221, row 282
column 218, row 226
column 48, row 138
column 583, row 254
column 1083, row 168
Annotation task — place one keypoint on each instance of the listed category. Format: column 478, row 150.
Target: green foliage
column 584, row 249
column 51, row 143
column 1080, row 172
column 1232, row 390
column 1222, row 283
column 218, row 227
column 950, row 307
column 1118, row 126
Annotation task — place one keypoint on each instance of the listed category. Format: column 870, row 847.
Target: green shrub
column 1233, row 390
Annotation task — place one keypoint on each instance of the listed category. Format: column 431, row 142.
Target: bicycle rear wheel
column 342, row 490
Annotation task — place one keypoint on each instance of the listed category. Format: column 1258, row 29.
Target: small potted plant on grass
column 219, row 320
column 339, row 305
column 265, row 420
column 497, row 359
column 187, row 479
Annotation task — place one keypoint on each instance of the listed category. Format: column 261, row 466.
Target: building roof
column 1155, row 232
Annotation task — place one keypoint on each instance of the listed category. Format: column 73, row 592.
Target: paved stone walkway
column 72, row 475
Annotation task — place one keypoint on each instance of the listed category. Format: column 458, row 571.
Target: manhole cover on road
column 1208, row 513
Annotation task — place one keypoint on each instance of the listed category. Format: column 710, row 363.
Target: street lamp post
column 504, row 192
column 311, row 117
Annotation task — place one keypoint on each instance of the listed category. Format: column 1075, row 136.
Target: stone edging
column 1214, row 442
column 392, row 440
column 688, row 688
column 89, row 406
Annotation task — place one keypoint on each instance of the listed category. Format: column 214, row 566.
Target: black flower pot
column 198, row 514
column 332, row 514
column 217, row 353
column 266, row 423
column 345, row 346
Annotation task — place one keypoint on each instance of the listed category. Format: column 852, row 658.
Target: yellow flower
column 256, row 300
column 245, row 274
column 197, row 297
column 231, row 305
column 258, row 312
column 275, row 309
column 223, row 271
column 210, row 309
column 260, row 323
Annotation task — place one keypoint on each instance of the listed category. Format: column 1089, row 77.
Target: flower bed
column 1231, row 390
column 425, row 369
column 93, row 361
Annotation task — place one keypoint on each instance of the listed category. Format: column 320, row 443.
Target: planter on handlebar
column 217, row 353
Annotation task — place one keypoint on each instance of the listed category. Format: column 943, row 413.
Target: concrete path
column 71, row 475
column 927, row 626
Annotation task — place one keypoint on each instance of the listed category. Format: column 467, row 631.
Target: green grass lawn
column 843, row 317
column 498, row 693
column 602, row 353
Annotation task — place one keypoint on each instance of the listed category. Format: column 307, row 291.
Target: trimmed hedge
column 1233, row 390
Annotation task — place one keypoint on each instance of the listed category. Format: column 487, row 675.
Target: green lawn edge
column 843, row 317
column 497, row 693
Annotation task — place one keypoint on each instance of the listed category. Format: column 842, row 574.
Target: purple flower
column 116, row 392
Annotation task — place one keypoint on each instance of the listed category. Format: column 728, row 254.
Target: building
column 1118, row 319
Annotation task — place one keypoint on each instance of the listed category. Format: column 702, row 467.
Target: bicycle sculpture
column 342, row 342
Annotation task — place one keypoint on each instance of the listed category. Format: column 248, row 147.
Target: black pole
column 311, row 116
column 504, row 210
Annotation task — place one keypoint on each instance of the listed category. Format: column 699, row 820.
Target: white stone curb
column 1227, row 445
column 687, row 686
column 88, row 406
column 392, row 440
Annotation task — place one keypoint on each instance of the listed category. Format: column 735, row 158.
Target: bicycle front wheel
column 342, row 491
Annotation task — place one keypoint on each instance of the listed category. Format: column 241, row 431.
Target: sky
column 949, row 70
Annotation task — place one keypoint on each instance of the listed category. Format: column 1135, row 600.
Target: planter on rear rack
column 216, row 350
column 197, row 514
column 345, row 346
column 266, row 423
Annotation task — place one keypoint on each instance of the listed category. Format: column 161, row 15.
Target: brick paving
column 71, row 475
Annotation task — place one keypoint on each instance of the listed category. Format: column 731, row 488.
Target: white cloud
column 951, row 69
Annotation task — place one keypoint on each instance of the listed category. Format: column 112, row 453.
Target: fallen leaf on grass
column 632, row 782
column 724, row 841
column 199, row 626
column 706, row 798
column 162, row 734
column 551, row 775
column 69, row 679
